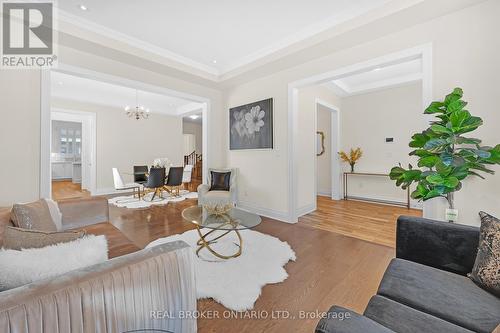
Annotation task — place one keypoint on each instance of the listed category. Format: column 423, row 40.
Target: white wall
column 189, row 127
column 324, row 162
column 123, row 142
column 262, row 178
column 464, row 54
column 19, row 136
column 367, row 120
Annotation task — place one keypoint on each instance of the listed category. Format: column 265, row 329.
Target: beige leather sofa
column 151, row 290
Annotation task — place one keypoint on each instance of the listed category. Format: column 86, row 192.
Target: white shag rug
column 236, row 283
column 130, row 202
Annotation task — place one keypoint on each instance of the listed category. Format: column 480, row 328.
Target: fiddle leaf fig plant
column 445, row 155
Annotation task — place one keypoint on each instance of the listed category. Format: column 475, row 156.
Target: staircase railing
column 196, row 160
column 190, row 159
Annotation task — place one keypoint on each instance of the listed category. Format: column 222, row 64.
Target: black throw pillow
column 486, row 271
column 220, row 181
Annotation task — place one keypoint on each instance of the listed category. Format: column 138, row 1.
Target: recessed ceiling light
column 194, row 116
column 214, row 61
column 83, row 7
column 377, row 69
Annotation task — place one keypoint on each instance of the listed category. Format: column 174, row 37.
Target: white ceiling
column 90, row 91
column 197, row 120
column 217, row 35
column 378, row 78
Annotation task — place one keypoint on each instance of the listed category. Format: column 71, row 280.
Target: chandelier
column 137, row 112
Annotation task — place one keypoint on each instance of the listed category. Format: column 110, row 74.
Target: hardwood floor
column 331, row 268
column 368, row 221
column 66, row 189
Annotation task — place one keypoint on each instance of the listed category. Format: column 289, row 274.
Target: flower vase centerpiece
column 351, row 158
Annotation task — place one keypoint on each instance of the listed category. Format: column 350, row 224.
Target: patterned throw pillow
column 486, row 270
column 34, row 215
column 18, row 238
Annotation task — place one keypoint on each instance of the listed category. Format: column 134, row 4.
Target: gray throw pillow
column 486, row 270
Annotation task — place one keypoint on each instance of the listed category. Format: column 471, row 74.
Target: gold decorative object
column 218, row 209
column 352, row 158
column 320, row 143
column 205, row 242
column 226, row 224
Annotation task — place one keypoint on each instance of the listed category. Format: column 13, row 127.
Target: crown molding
column 263, row 55
column 279, row 55
column 347, row 91
column 134, row 42
column 302, row 35
column 188, row 109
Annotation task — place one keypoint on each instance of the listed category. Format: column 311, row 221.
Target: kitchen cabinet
column 62, row 170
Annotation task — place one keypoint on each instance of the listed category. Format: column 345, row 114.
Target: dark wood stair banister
column 190, row 159
column 196, row 160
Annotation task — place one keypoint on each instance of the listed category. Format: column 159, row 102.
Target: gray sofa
column 149, row 290
column 425, row 288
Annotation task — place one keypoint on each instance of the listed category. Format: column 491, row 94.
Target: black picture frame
column 251, row 126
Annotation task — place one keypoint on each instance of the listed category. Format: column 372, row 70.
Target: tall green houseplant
column 446, row 157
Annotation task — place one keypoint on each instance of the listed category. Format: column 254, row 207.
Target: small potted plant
column 351, row 158
column 446, row 157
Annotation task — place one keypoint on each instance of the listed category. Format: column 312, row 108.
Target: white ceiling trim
column 298, row 37
column 189, row 109
column 344, row 91
column 134, row 42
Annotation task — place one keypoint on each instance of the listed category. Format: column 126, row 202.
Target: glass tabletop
column 235, row 219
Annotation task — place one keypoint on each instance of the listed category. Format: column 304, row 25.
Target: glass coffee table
column 232, row 221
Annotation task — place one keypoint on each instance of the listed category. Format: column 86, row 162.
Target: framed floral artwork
column 251, row 126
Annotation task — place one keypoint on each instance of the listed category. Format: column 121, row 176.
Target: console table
column 347, row 197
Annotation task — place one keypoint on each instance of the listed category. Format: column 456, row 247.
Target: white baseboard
column 306, row 209
column 324, row 193
column 417, row 205
column 271, row 213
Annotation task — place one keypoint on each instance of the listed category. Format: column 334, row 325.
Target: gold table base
column 204, row 242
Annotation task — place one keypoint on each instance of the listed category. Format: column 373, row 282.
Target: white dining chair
column 187, row 175
column 121, row 186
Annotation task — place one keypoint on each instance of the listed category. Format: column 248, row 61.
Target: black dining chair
column 174, row 181
column 155, row 182
column 140, row 174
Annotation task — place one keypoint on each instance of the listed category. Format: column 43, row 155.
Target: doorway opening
column 328, row 169
column 352, row 80
column 192, row 131
column 129, row 123
column 72, row 154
